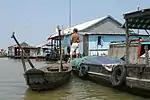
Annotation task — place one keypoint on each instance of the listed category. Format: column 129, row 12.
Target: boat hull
column 131, row 84
column 38, row 80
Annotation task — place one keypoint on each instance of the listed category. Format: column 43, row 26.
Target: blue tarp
column 96, row 60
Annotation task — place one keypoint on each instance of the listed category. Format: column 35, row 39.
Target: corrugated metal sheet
column 85, row 25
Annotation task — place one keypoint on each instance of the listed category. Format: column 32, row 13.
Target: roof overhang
column 138, row 19
column 29, row 47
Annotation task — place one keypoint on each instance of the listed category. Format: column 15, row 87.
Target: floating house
column 15, row 52
column 3, row 53
column 43, row 49
column 95, row 35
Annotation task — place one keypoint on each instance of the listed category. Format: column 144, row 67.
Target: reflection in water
column 45, row 95
column 13, row 87
column 80, row 90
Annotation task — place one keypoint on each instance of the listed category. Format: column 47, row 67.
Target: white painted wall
column 33, row 52
column 11, row 51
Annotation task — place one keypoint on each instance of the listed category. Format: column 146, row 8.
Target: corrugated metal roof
column 43, row 45
column 54, row 35
column 84, row 25
column 24, row 45
column 83, row 33
column 81, row 26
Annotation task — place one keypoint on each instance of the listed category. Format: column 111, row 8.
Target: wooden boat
column 113, row 72
column 129, row 73
column 98, row 66
column 48, row 77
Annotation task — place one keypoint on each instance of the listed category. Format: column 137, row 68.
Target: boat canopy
column 138, row 19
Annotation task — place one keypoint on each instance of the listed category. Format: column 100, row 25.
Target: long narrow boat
column 113, row 72
column 129, row 73
column 45, row 78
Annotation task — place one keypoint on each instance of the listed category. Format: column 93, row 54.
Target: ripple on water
column 13, row 87
column 81, row 90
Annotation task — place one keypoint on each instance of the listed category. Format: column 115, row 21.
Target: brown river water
column 13, row 87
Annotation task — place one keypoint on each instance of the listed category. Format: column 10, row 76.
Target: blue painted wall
column 93, row 41
column 106, row 39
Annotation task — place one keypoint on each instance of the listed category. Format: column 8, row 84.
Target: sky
column 33, row 21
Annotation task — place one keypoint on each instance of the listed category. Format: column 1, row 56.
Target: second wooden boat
column 48, row 77
column 130, row 73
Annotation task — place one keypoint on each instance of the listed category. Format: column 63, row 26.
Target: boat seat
column 44, row 69
column 65, row 68
column 53, row 69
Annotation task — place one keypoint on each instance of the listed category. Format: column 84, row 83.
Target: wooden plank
column 86, row 45
column 138, row 79
column 135, row 65
column 146, row 55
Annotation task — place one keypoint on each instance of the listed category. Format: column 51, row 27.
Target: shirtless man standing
column 74, row 43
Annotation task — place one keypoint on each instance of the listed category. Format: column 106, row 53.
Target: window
column 99, row 40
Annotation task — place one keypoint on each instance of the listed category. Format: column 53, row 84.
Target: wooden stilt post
column 127, row 42
column 61, row 67
column 23, row 62
column 146, row 55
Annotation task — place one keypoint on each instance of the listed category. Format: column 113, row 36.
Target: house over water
column 15, row 52
column 43, row 49
column 95, row 35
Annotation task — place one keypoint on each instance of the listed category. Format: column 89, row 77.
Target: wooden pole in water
column 13, row 36
column 23, row 62
column 61, row 67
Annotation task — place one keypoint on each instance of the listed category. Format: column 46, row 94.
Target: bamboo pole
column 61, row 67
column 13, row 36
column 23, row 62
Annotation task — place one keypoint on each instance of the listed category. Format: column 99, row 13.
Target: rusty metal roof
column 138, row 19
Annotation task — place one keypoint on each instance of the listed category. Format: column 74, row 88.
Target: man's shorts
column 74, row 48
